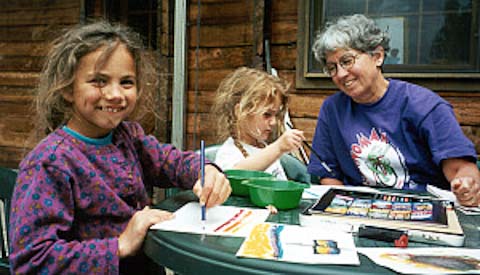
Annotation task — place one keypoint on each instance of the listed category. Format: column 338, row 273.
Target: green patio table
column 187, row 253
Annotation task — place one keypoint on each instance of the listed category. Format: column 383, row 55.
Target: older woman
column 385, row 132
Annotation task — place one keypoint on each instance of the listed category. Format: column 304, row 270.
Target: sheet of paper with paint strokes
column 426, row 260
column 292, row 243
column 221, row 220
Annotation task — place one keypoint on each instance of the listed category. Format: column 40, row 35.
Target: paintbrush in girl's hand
column 329, row 170
column 202, row 181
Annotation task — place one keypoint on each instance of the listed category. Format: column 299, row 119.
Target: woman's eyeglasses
column 346, row 62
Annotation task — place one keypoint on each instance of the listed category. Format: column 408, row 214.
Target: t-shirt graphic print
column 380, row 162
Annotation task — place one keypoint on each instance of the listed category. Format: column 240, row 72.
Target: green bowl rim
column 298, row 185
column 262, row 174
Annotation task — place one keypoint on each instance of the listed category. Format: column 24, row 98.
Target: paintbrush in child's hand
column 329, row 170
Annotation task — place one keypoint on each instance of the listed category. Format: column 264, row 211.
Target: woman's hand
column 467, row 191
column 464, row 180
column 290, row 140
column 132, row 237
column 216, row 189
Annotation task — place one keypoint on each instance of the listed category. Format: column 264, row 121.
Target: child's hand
column 467, row 191
column 216, row 190
column 132, row 237
column 290, row 140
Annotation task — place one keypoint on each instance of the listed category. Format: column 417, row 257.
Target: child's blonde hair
column 61, row 63
column 253, row 90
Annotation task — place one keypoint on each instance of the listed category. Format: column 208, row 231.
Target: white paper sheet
column 431, row 260
column 221, row 220
column 292, row 243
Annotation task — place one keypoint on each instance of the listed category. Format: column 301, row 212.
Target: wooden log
column 40, row 16
column 221, row 13
column 16, row 5
column 219, row 57
column 285, row 32
column 221, row 35
column 208, row 80
column 12, row 156
column 283, row 57
column 21, row 63
column 17, row 79
column 204, row 101
column 29, row 34
column 37, row 49
column 285, row 10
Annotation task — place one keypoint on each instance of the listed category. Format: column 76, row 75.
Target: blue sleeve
column 322, row 144
column 445, row 136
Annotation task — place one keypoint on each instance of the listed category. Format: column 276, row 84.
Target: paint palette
column 415, row 213
column 382, row 206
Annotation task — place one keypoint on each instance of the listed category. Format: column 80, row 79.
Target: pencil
column 329, row 170
column 202, row 181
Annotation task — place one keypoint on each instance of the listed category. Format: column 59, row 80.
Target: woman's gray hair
column 349, row 32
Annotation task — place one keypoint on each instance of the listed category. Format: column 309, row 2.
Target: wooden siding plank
column 224, row 13
column 221, row 35
column 23, row 48
column 21, row 63
column 18, row 79
column 220, row 58
column 19, row 5
column 43, row 16
column 29, row 34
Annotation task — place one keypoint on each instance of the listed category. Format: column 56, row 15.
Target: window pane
column 427, row 35
column 388, row 7
column 443, row 42
column 447, row 5
column 336, row 8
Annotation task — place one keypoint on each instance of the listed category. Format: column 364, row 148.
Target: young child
column 80, row 204
column 250, row 105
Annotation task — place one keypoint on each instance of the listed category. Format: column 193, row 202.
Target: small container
column 282, row 194
column 237, row 176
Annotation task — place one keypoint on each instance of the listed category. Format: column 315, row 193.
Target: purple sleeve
column 164, row 165
column 322, row 144
column 444, row 135
column 42, row 235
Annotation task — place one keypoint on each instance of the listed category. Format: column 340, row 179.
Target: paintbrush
column 329, row 170
column 202, row 181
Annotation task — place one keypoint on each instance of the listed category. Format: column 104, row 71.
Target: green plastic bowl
column 236, row 178
column 282, row 194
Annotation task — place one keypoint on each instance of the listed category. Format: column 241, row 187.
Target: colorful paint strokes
column 235, row 223
column 263, row 242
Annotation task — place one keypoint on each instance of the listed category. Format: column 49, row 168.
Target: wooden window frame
column 453, row 82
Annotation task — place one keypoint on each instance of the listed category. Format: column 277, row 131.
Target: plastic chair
column 295, row 169
column 7, row 182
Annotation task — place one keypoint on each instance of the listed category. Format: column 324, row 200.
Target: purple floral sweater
column 73, row 198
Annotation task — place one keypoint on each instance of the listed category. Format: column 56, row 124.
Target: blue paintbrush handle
column 202, row 176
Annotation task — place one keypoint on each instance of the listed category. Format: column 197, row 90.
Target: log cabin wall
column 229, row 37
column 26, row 28
column 227, row 41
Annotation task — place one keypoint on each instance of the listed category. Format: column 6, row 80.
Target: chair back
column 7, row 182
column 295, row 169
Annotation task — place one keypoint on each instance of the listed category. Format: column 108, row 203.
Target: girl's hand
column 290, row 140
column 132, row 237
column 216, row 189
column 467, row 191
